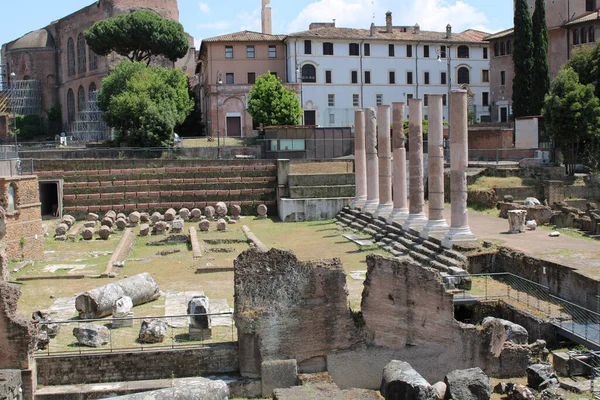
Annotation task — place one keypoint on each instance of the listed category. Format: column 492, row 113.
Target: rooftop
column 245, row 36
column 593, row 16
column 501, row 34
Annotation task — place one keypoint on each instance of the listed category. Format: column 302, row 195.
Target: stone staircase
column 451, row 264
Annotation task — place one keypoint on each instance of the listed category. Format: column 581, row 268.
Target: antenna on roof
column 373, row 6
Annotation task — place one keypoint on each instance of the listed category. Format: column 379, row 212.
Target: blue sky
column 206, row 18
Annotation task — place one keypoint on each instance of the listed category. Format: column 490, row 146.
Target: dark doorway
column 234, row 126
column 49, row 197
column 503, row 114
column 310, row 117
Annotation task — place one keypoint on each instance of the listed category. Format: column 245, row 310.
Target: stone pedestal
column 400, row 211
column 372, row 163
column 122, row 323
column 459, row 225
column 360, row 160
column 416, row 216
column 436, row 225
column 385, row 162
column 516, row 221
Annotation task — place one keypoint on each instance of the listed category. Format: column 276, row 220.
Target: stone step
column 439, row 266
column 394, row 229
column 347, row 221
column 357, row 226
column 424, row 250
column 419, row 258
column 449, row 262
column 387, row 240
column 438, row 249
column 401, row 248
column 406, row 242
column 457, row 256
column 369, row 231
column 396, row 253
column 380, row 223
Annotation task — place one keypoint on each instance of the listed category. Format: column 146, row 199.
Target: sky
column 207, row 18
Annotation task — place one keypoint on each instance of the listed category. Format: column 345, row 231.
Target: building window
column 496, row 49
column 229, row 78
column 408, row 97
column 307, row 47
column 331, row 119
column 93, row 60
column 462, row 52
column 309, row 73
column 508, row 47
column 331, row 100
column 592, row 35
column 409, row 50
column 409, row 78
column 354, row 49
column 442, row 51
column 70, row 105
column 485, row 53
column 272, row 51
column 576, row 36
column 444, row 99
column 379, row 99
column 251, row 78
column 426, row 51
column 426, row 78
column 590, row 5
column 583, row 35
column 485, row 99
column 443, row 78
column 354, row 76
column 81, row 59
column 327, row 49
column 392, row 77
column 327, row 76
column 81, row 100
column 485, row 75
column 425, row 100
column 250, row 52
column 367, row 76
column 355, row 100
column 367, row 49
column 391, row 50
column 502, row 48
column 502, row 78
column 228, row 51
column 92, row 89
column 463, row 75
column 71, row 57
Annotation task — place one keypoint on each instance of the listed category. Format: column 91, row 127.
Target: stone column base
column 398, row 215
column 458, row 235
column 415, row 221
column 370, row 206
column 358, row 203
column 434, row 227
column 384, row 210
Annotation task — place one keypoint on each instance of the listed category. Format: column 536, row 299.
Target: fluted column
column 360, row 160
column 436, row 225
column 384, row 152
column 400, row 211
column 372, row 163
column 459, row 160
column 416, row 217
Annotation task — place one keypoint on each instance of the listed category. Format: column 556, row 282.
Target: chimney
column 416, row 29
column 266, row 17
column 448, row 31
column 372, row 29
column 388, row 22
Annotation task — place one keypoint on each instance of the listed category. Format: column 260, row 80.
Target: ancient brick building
column 67, row 70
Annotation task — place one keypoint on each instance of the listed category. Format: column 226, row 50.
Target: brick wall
column 16, row 345
column 482, row 137
column 146, row 365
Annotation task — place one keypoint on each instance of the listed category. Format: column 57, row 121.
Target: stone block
column 401, row 381
column 278, row 374
column 91, row 335
column 468, row 384
column 152, row 331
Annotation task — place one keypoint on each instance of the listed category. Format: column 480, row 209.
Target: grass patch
column 225, row 141
column 339, row 167
column 492, row 182
column 571, row 232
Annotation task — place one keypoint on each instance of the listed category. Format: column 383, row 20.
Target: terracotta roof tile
column 593, row 16
column 245, row 36
column 501, row 34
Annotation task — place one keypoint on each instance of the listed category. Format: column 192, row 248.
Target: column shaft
column 372, row 162
column 360, row 160
column 400, row 211
column 384, row 152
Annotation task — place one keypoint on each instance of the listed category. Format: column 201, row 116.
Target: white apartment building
column 339, row 70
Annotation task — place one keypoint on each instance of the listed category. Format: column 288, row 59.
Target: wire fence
column 123, row 334
column 536, row 299
column 16, row 167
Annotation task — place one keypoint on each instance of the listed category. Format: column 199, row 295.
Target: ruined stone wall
column 16, row 344
column 10, row 384
column 24, row 236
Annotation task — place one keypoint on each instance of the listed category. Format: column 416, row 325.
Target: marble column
column 400, row 211
column 416, row 217
column 360, row 160
column 372, row 163
column 384, row 152
column 436, row 225
column 459, row 160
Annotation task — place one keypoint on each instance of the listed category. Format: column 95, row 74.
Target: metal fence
column 16, row 167
column 123, row 334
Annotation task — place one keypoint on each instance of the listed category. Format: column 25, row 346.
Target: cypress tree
column 522, row 61
column 541, row 74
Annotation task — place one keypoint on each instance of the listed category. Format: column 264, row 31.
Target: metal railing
column 579, row 323
column 124, row 338
column 16, row 167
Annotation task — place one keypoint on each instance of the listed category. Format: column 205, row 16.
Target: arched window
column 309, row 73
column 81, row 63
column 12, row 197
column 92, row 87
column 496, row 52
column 592, row 35
column 70, row 57
column 93, row 60
column 583, row 35
column 508, row 47
column 70, row 105
column 502, row 48
column 576, row 36
column 463, row 75
column 81, row 100
column 463, row 51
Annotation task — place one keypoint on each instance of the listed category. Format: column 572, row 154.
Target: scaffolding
column 89, row 126
column 25, row 97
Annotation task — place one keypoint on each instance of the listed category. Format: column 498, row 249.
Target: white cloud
column 204, row 8
column 216, row 25
column 249, row 21
column 347, row 13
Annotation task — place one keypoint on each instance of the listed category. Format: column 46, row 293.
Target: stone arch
column 309, row 73
column 463, row 75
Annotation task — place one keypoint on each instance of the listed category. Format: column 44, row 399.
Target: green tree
column 586, row 62
column 144, row 103
column 272, row 104
column 522, row 60
column 571, row 114
column 138, row 36
column 540, row 77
